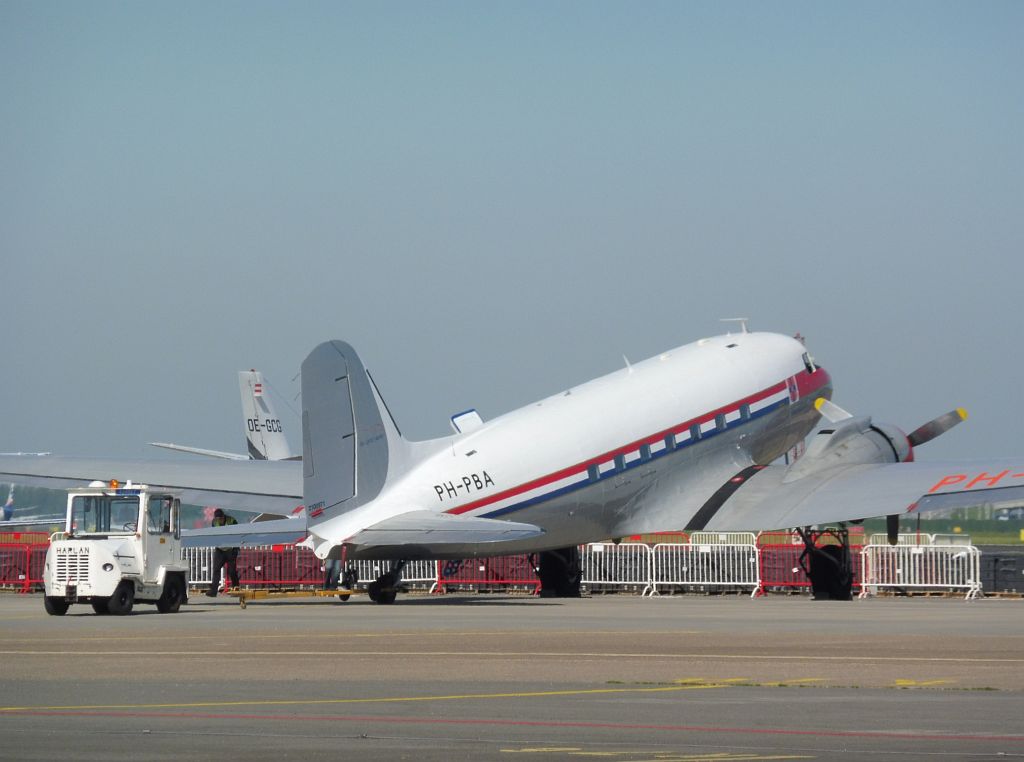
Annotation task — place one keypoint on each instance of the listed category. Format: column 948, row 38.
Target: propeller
column 924, row 433
column 928, row 431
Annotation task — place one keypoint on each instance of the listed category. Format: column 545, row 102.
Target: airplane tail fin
column 350, row 443
column 264, row 431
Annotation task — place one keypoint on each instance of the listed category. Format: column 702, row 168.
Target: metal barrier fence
column 487, row 574
column 762, row 565
column 21, row 566
column 289, row 566
column 1002, row 569
column 920, row 567
column 607, row 566
column 259, row 566
column 419, row 575
column 921, row 538
column 200, row 564
column 717, row 566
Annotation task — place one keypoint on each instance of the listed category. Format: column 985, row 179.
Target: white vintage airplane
column 686, row 439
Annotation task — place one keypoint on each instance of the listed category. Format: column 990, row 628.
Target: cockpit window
column 809, row 363
column 104, row 514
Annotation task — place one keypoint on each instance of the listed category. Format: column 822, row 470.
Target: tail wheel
column 173, row 596
column 349, row 580
column 123, row 599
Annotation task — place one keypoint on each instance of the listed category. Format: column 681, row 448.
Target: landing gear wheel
column 384, row 589
column 349, row 580
column 123, row 599
column 829, row 567
column 560, row 573
column 101, row 605
column 173, row 596
column 55, row 606
column 381, row 591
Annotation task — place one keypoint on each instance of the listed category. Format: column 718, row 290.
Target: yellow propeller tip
column 962, row 413
column 819, row 402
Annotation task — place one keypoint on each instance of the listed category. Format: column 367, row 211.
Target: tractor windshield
column 103, row 514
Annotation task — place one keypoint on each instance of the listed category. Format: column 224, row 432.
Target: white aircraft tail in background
column 264, row 431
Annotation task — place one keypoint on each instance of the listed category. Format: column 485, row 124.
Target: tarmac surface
column 513, row 677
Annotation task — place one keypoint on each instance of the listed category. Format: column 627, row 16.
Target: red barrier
column 279, row 565
column 21, row 566
column 488, row 574
column 25, row 538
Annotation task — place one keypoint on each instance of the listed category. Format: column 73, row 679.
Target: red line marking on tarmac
column 392, row 720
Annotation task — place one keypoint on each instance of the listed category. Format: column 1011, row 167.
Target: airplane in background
column 8, row 520
column 264, row 432
column 684, row 440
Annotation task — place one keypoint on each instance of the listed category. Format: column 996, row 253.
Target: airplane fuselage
column 581, row 463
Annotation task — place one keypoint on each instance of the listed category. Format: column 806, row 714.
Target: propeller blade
column 831, row 410
column 933, row 428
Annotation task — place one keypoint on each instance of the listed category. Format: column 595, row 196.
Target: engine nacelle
column 852, row 441
column 897, row 440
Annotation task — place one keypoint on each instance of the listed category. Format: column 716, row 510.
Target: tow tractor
column 121, row 545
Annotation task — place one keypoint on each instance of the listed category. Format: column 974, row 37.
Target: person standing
column 223, row 556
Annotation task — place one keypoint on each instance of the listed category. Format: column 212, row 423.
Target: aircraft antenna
column 742, row 321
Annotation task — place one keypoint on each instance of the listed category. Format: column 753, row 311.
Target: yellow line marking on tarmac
column 795, row 681
column 759, row 683
column 384, row 700
column 902, row 683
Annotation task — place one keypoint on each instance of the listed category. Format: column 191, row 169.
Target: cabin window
column 592, row 473
column 620, row 463
column 809, row 363
column 744, row 412
column 670, row 442
column 695, row 432
column 645, row 453
column 720, row 422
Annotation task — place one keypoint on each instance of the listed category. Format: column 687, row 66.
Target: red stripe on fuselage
column 809, row 383
column 651, row 439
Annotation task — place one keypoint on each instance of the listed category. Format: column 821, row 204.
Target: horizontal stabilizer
column 279, row 531
column 439, row 535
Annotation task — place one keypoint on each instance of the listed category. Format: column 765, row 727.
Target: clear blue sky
column 495, row 201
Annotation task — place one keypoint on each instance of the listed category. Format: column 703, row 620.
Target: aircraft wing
column 766, row 500
column 55, row 522
column 272, row 486
column 427, row 534
column 201, row 451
